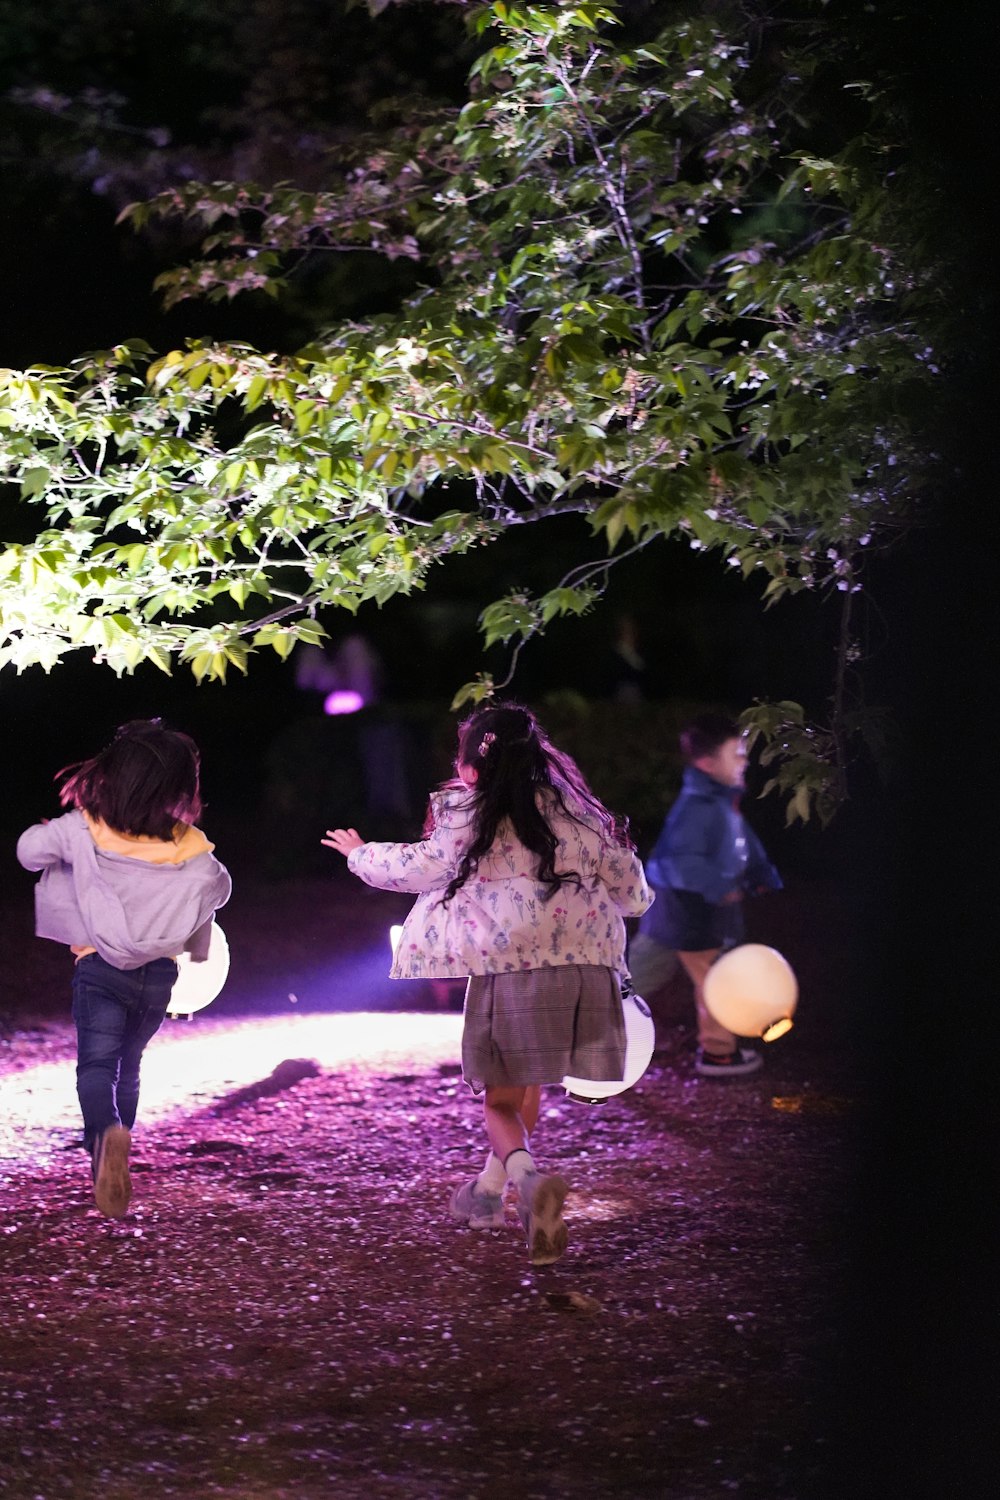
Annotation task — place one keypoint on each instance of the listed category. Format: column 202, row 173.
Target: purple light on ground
column 343, row 701
column 190, row 1066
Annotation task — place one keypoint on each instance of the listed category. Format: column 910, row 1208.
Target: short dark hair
column 142, row 784
column 706, row 733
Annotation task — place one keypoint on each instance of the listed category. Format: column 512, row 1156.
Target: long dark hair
column 142, row 784
column 514, row 761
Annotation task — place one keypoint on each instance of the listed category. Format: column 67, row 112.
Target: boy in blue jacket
column 705, row 861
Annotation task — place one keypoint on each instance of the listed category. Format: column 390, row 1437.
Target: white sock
column 493, row 1177
column 518, row 1165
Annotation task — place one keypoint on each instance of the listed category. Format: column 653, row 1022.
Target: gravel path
column 287, row 1311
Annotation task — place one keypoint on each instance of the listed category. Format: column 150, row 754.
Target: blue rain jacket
column 705, row 850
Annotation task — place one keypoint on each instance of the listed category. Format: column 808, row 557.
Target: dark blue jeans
column 116, row 1012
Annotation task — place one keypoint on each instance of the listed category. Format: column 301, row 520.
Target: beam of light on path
column 350, row 980
column 188, row 1066
column 239, row 1053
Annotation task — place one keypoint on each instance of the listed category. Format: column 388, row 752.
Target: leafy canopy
column 644, row 297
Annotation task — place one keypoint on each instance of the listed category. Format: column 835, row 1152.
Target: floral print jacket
column 503, row 918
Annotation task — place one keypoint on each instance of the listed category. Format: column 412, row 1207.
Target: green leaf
column 159, row 658
column 35, row 482
column 256, row 391
column 478, row 691
column 634, row 304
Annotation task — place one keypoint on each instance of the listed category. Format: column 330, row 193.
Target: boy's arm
column 761, row 874
column 656, row 864
column 686, row 856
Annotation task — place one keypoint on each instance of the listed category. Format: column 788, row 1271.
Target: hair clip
column 486, row 742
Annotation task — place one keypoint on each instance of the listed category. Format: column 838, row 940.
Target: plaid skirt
column 537, row 1025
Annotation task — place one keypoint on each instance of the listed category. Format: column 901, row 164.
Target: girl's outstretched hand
column 342, row 839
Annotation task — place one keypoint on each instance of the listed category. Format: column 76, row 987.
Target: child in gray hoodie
column 128, row 883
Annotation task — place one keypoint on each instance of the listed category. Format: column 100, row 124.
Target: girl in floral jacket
column 524, row 880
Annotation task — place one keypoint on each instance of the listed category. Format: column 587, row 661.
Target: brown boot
column 112, row 1184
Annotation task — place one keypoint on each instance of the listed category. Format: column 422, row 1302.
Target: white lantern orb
column 198, row 984
column 752, row 991
column 639, row 1039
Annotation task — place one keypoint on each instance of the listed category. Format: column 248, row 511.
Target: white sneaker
column 470, row 1205
column 539, row 1207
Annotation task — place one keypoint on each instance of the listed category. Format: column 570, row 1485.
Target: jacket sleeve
column 761, row 874
column 623, row 877
column 217, row 894
column 214, row 892
column 416, row 868
column 656, row 864
column 44, row 844
column 686, row 857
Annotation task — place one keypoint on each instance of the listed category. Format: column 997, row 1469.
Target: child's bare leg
column 510, row 1115
column 510, row 1119
column 494, row 1175
column 503, row 1114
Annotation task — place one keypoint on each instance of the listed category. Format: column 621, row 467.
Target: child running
column 524, row 880
column 128, row 883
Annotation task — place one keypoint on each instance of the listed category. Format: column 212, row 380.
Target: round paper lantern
column 197, row 984
column 752, row 991
column 639, row 1038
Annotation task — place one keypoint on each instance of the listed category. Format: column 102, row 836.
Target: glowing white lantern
column 198, row 984
column 752, row 991
column 639, row 1039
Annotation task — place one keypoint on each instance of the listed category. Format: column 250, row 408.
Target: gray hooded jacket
column 155, row 902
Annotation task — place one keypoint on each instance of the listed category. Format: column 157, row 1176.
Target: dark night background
column 925, row 989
